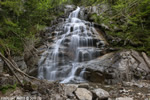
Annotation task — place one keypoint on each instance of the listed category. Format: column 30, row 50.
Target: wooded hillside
column 20, row 20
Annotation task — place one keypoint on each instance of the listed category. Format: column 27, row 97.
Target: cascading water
column 77, row 43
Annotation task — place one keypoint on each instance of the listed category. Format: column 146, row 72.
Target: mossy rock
column 30, row 86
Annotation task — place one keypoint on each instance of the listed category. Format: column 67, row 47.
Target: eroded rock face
column 116, row 67
column 21, row 63
column 98, row 9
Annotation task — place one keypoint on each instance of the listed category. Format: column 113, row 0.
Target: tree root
column 13, row 66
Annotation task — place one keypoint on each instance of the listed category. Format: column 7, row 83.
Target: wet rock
column 100, row 94
column 42, row 48
column 124, row 98
column 83, row 55
column 83, row 94
column 33, row 71
column 67, row 39
column 66, row 44
column 93, row 76
column 50, row 39
column 68, row 9
column 88, row 53
column 83, row 14
column 100, row 43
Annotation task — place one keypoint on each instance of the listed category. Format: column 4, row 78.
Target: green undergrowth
column 8, row 87
column 128, row 20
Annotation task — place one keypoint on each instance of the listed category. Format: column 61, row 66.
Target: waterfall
column 76, row 44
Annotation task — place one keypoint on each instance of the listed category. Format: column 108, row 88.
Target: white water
column 76, row 44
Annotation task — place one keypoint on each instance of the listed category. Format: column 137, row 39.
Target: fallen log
column 12, row 71
column 12, row 66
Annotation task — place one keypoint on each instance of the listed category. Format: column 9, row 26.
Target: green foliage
column 21, row 20
column 14, row 6
column 83, row 2
column 132, row 19
column 6, row 88
column 89, row 2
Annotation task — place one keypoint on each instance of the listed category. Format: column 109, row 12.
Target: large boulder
column 116, row 67
column 83, row 94
column 100, row 94
column 70, row 88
